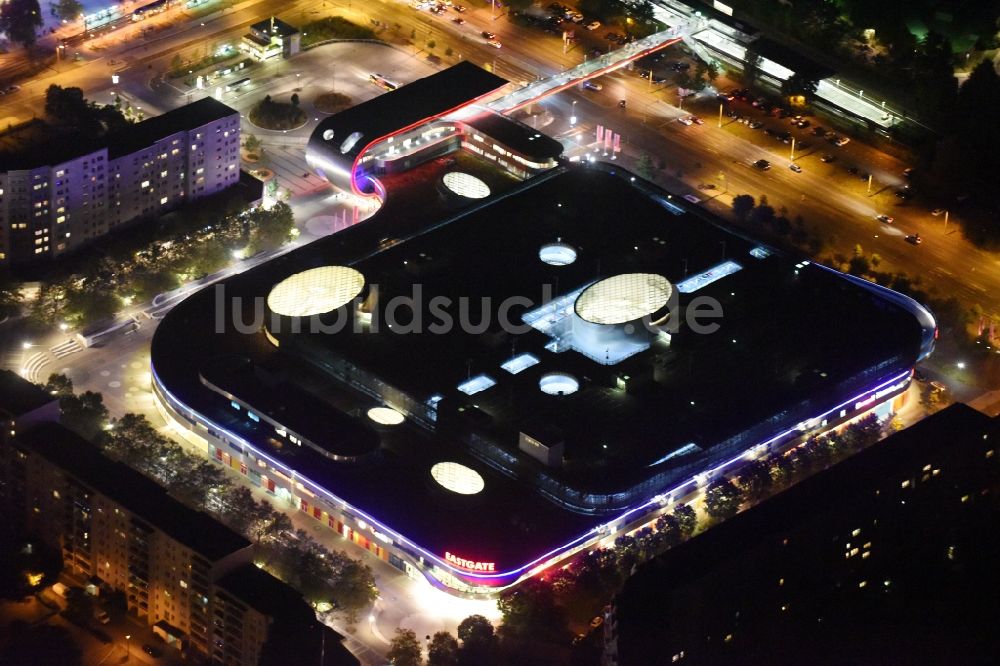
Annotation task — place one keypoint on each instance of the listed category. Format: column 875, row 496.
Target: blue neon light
column 696, row 282
column 542, row 558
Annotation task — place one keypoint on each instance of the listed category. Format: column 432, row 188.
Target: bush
column 276, row 115
column 333, row 27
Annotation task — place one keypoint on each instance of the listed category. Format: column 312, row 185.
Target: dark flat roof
column 281, row 400
column 516, row 135
column 18, row 396
column 803, row 337
column 139, row 494
column 420, row 100
column 39, row 144
column 275, row 26
column 148, row 132
column 790, row 58
column 265, row 593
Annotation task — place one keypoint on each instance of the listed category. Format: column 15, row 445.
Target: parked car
column 802, row 124
column 827, row 158
column 841, row 141
column 885, row 218
column 755, row 124
column 937, row 211
column 908, row 172
column 818, row 131
column 458, row 20
column 914, row 239
column 795, row 167
column 596, row 622
column 763, row 165
column 684, row 120
column 593, row 25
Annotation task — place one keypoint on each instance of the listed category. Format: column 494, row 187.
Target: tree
column 133, row 440
column 755, row 479
column 431, row 44
column 294, row 99
column 252, row 143
column 59, row 385
column 799, row 85
column 443, row 650
column 762, row 215
column 20, row 19
column 10, row 299
column 723, row 499
column 670, row 528
column 270, row 229
column 69, row 10
column 687, row 519
column 743, row 204
column 479, row 641
column 404, row 649
column 84, row 414
column 751, row 66
column 175, row 64
column 644, row 166
column 530, row 613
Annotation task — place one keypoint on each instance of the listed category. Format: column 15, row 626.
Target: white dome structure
column 623, row 298
column 315, row 291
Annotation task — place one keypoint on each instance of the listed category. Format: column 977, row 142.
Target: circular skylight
column 466, row 185
column 458, row 478
column 349, row 142
column 316, row 291
column 328, row 135
column 557, row 254
column 385, row 416
column 623, row 298
column 558, row 383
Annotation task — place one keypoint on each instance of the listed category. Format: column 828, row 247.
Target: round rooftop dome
column 316, row 291
column 557, row 254
column 623, row 298
column 558, row 383
column 466, row 185
column 458, row 478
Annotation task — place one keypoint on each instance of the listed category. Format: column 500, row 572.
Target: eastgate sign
column 469, row 564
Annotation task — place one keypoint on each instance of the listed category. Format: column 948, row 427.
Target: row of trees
column 68, row 108
column 477, row 644
column 128, row 274
column 292, row 555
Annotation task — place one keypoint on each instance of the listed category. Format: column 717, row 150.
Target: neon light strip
column 459, row 573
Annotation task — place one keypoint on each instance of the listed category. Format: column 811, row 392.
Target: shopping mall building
column 516, row 358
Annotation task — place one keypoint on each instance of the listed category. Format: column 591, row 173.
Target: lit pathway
column 588, row 69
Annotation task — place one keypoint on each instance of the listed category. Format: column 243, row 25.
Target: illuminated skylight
column 458, row 478
column 623, row 298
column 316, row 291
column 557, row 254
column 466, row 185
column 385, row 416
column 558, row 383
column 476, row 384
column 520, row 362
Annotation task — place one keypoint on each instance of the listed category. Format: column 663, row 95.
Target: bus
column 236, row 85
column 152, row 8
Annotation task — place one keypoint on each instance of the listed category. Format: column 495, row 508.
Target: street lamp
column 572, row 116
column 128, row 637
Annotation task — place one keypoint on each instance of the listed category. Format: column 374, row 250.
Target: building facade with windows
column 185, row 574
column 55, row 200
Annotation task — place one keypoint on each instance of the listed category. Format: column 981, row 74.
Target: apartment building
column 60, row 195
column 178, row 567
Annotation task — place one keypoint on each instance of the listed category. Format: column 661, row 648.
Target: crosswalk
column 64, row 349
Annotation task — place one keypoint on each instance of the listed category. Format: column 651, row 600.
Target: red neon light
column 418, row 123
column 471, row 565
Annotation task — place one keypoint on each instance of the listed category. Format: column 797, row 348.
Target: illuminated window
column 144, row 184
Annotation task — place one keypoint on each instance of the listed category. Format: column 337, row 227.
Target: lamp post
column 791, row 155
column 720, row 114
column 946, row 221
column 128, row 638
column 869, row 183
